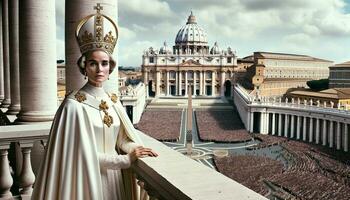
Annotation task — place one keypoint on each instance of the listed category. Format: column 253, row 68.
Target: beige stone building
column 339, row 75
column 272, row 74
column 169, row 72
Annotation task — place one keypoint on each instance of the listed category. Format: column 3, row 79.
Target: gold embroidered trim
column 80, row 97
column 114, row 98
column 107, row 119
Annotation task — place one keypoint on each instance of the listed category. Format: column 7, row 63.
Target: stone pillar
column 158, row 83
column 145, row 80
column 186, row 84
column 5, row 42
column 223, row 75
column 38, row 69
column 262, row 123
column 292, row 125
column 286, row 125
column 298, row 126
column 273, row 123
column 194, row 83
column 304, row 128
column 267, row 123
column 324, row 132
column 331, row 134
column 180, row 83
column 2, row 92
column 251, row 125
column 279, row 124
column 167, row 84
column 317, row 131
column 311, row 130
column 346, row 138
column 75, row 10
column 213, row 80
column 201, row 83
column 338, row 136
column 14, row 59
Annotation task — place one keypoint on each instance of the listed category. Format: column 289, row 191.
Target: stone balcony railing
column 169, row 176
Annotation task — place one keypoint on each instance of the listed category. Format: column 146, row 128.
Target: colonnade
column 205, row 83
column 28, row 85
column 325, row 130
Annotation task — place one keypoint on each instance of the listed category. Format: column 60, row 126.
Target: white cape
column 70, row 169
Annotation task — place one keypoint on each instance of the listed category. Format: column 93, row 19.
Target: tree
column 317, row 85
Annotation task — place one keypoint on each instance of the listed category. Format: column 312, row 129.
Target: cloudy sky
column 319, row 28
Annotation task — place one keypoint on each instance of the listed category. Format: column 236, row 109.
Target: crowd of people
column 312, row 172
column 221, row 126
column 163, row 125
column 249, row 170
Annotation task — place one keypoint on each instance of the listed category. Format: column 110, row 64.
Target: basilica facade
column 189, row 63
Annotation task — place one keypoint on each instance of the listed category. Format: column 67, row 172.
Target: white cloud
column 126, row 34
column 154, row 8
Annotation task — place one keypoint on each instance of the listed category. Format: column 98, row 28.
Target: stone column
column 262, row 123
column 286, row 125
column 75, row 10
column 298, row 126
column 38, row 70
column 346, row 138
column 213, row 81
column 311, row 130
column 304, row 128
column 267, row 123
column 324, row 132
column 317, row 131
column 194, row 83
column 2, row 92
column 201, row 83
column 279, row 124
column 145, row 80
column 331, row 134
column 292, row 125
column 186, row 83
column 180, row 83
column 273, row 123
column 223, row 75
column 251, row 125
column 167, row 84
column 338, row 136
column 14, row 59
column 158, row 83
column 5, row 42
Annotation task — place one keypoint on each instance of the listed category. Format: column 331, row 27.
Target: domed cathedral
column 169, row 71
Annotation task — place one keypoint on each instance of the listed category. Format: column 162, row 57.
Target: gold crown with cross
column 97, row 32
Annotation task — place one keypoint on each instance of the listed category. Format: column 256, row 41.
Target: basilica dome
column 191, row 33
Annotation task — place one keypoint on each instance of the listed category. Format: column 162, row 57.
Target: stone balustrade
column 169, row 176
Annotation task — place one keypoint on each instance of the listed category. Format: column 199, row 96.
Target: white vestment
column 81, row 160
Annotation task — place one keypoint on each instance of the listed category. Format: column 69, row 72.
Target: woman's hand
column 140, row 152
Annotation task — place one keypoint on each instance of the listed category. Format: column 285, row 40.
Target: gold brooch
column 103, row 105
column 107, row 119
column 80, row 97
column 114, row 98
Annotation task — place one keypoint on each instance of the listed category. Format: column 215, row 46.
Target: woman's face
column 97, row 68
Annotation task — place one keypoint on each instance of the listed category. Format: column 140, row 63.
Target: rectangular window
column 229, row 59
column 151, row 59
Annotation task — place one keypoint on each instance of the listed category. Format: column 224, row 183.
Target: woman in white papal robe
column 91, row 140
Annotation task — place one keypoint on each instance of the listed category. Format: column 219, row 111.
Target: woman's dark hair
column 83, row 58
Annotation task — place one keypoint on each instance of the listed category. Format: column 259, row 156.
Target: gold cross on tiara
column 98, row 7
